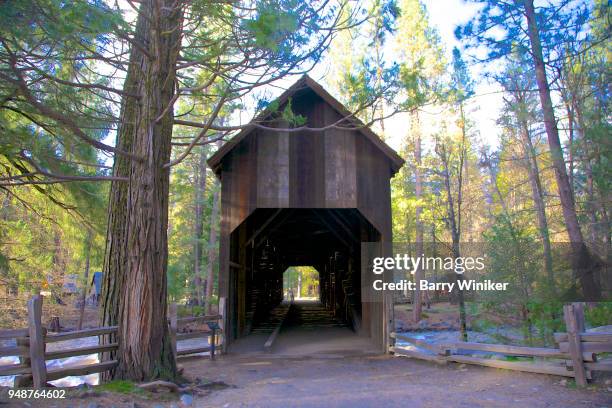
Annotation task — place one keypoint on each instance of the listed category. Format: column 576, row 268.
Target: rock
column 186, row 399
column 563, row 382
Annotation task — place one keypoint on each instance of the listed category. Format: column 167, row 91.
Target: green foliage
column 290, row 117
column 599, row 314
column 271, row 25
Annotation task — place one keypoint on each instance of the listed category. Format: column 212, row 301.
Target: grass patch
column 120, row 387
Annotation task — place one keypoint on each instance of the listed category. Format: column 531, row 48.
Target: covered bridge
column 304, row 197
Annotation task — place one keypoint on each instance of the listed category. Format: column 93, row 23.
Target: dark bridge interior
column 271, row 240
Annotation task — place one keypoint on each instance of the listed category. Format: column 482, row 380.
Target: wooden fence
column 30, row 346
column 576, row 355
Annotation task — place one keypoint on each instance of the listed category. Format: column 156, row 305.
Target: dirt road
column 337, row 380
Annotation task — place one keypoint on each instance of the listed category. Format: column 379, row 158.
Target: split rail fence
column 575, row 355
column 30, row 346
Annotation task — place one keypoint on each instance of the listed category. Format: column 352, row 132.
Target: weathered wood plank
column 270, row 341
column 193, row 350
column 56, row 374
column 193, row 335
column 599, row 366
column 539, row 367
column 588, row 347
column 436, row 348
column 77, row 334
column 597, row 337
column 37, row 343
column 15, row 369
column 81, row 351
column 14, row 351
column 222, row 321
column 193, row 319
column 401, row 351
column 513, row 350
column 14, row 333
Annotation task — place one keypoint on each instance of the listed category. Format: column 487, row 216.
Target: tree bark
column 116, row 252
column 145, row 350
column 583, row 264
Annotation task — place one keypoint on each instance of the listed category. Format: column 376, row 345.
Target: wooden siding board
column 340, row 177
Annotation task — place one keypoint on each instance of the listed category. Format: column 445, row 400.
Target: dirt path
column 379, row 381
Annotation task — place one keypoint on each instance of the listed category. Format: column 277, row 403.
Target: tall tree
column 524, row 26
column 212, row 244
column 421, row 66
column 200, row 187
column 450, row 154
column 517, row 80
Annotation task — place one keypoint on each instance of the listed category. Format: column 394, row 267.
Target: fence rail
column 576, row 355
column 32, row 352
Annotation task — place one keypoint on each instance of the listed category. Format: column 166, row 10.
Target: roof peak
column 306, row 81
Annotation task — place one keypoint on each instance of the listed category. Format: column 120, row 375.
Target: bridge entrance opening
column 301, row 283
column 269, row 252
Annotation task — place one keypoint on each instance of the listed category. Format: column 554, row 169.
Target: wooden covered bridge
column 304, row 197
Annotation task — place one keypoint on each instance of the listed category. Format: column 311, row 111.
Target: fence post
column 574, row 322
column 37, row 342
column 173, row 317
column 213, row 340
column 222, row 323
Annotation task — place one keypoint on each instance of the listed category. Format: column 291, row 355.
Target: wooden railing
column 575, row 357
column 179, row 332
column 31, row 349
column 31, row 346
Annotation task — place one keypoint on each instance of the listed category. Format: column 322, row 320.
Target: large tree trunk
column 116, row 253
column 199, row 291
column 417, row 307
column 212, row 247
column 584, row 265
column 145, row 350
